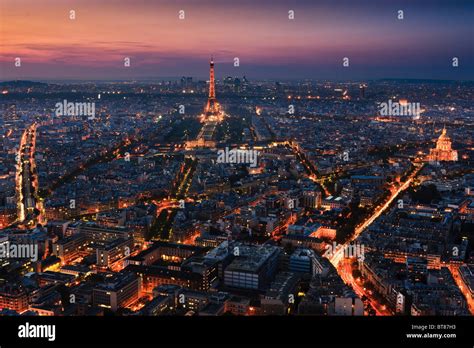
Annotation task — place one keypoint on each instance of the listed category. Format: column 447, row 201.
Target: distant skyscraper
column 186, row 81
column 362, row 88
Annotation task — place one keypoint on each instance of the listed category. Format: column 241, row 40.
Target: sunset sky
column 258, row 32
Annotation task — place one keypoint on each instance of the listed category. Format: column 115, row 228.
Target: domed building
column 443, row 150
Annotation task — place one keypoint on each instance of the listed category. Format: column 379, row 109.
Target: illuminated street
column 454, row 269
column 29, row 206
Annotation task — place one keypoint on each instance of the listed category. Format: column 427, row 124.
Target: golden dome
column 443, row 134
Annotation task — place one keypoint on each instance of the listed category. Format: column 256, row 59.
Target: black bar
column 288, row 330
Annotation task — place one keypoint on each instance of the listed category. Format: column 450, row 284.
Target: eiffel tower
column 212, row 110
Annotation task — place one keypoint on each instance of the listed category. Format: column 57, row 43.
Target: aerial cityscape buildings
column 378, row 223
column 143, row 176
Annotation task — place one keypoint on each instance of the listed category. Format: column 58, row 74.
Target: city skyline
column 299, row 162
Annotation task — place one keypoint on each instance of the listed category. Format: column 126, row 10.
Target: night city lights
column 267, row 171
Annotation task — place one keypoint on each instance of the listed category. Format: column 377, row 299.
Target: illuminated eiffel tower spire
column 212, row 111
column 212, row 85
